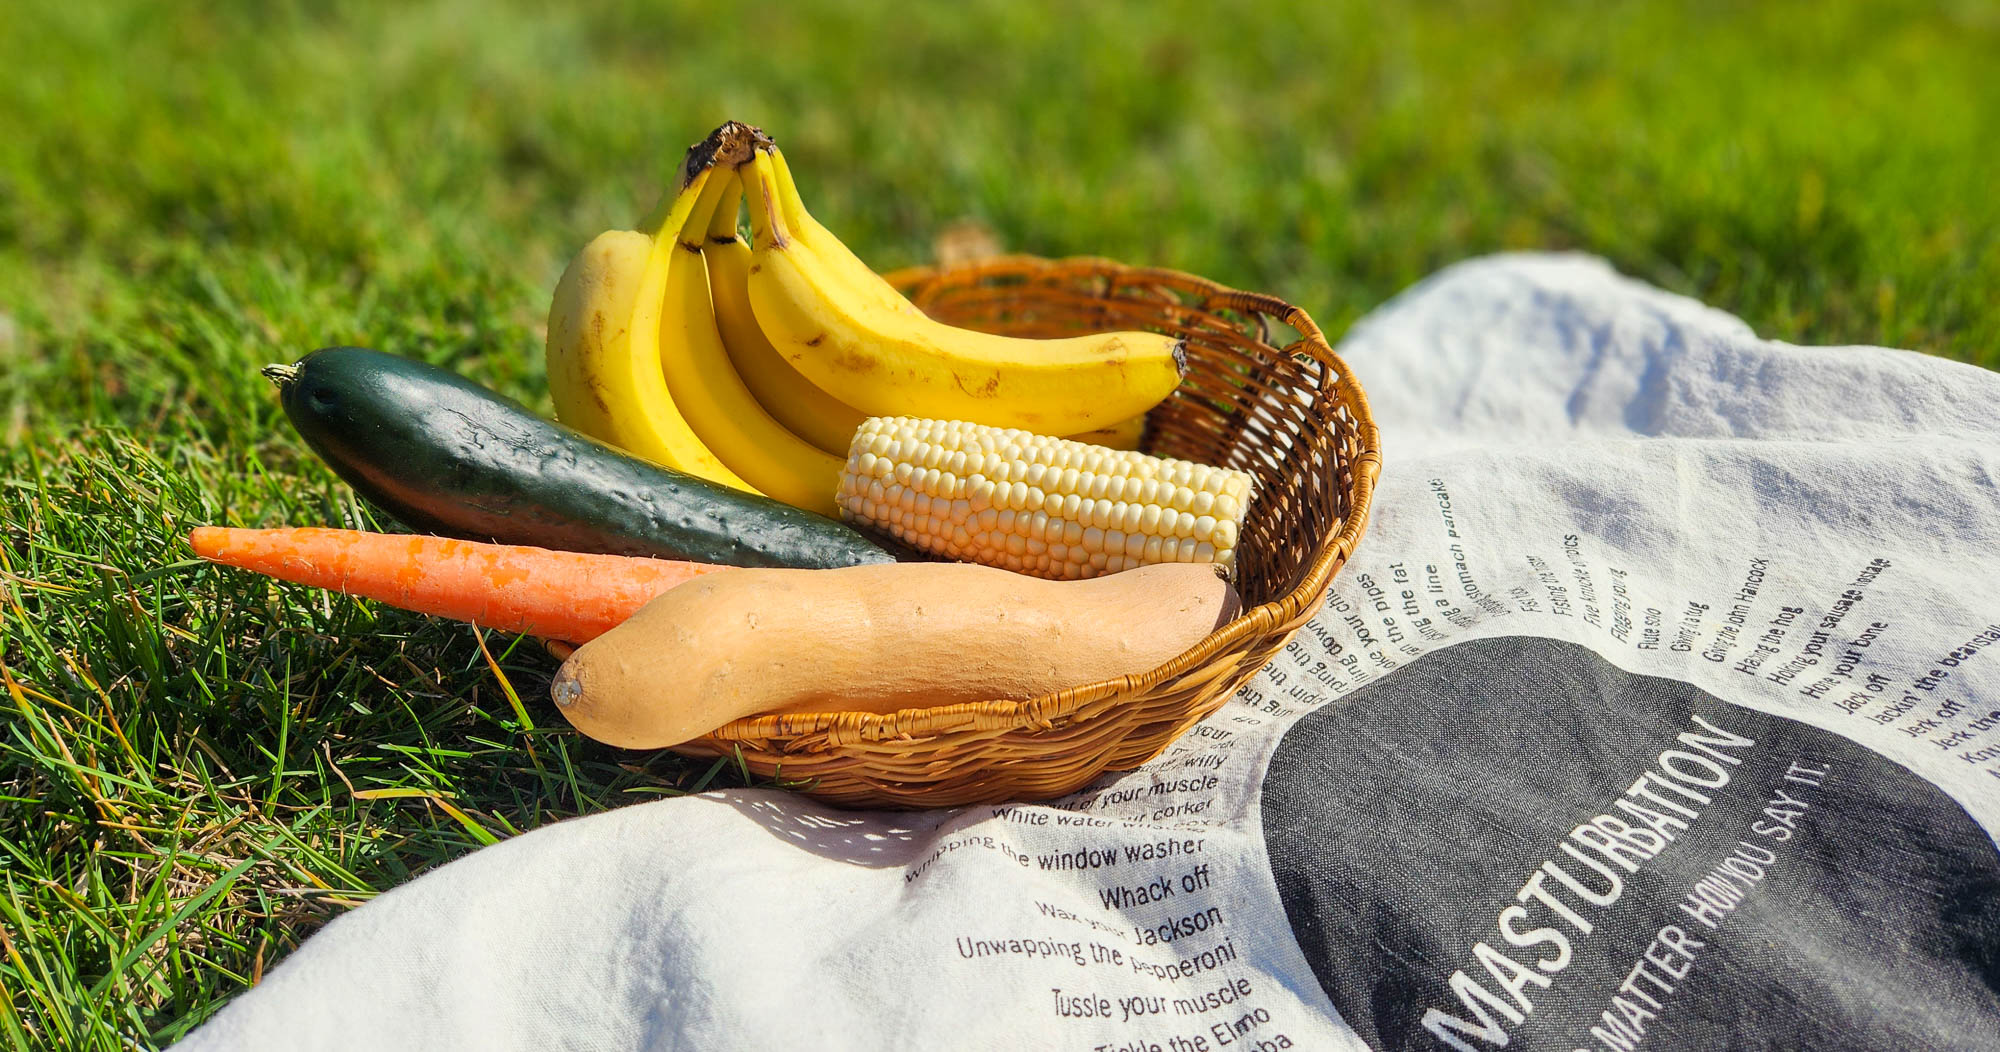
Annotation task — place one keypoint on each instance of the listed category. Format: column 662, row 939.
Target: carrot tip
column 206, row 540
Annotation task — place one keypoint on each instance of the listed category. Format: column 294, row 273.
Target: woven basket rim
column 1044, row 710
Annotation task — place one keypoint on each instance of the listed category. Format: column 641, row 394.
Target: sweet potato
column 739, row 642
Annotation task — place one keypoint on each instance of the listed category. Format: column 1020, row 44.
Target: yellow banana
column 725, row 415
column 604, row 341
column 885, row 362
column 1124, row 434
column 802, row 407
column 592, row 308
column 805, row 410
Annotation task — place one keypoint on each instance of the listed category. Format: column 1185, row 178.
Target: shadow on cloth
column 877, row 839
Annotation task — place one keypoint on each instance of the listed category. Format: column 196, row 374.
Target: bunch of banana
column 753, row 364
column 633, row 322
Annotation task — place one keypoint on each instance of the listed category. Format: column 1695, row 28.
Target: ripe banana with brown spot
column 604, row 336
column 805, row 410
column 795, row 401
column 832, row 253
column 724, row 413
column 883, row 361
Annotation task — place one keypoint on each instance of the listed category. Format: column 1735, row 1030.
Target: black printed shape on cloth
column 1437, row 843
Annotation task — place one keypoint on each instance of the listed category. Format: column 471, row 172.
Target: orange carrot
column 512, row 588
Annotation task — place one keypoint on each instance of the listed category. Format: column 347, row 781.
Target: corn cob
column 1037, row 505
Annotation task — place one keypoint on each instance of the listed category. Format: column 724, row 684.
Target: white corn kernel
column 980, row 492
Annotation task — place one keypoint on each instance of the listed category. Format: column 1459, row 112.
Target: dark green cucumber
column 447, row 456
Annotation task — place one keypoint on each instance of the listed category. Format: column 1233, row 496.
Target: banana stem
column 788, row 191
column 729, row 145
column 722, row 229
column 693, row 233
column 767, row 221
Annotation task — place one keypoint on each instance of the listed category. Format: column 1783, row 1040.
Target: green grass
column 197, row 770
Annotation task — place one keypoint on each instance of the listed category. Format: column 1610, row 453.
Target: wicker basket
column 1291, row 416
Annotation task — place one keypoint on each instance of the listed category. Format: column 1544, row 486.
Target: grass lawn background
column 197, row 770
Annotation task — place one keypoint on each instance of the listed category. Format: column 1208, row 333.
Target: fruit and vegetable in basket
column 764, row 452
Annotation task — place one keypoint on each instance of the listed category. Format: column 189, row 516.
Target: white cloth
column 1585, row 479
